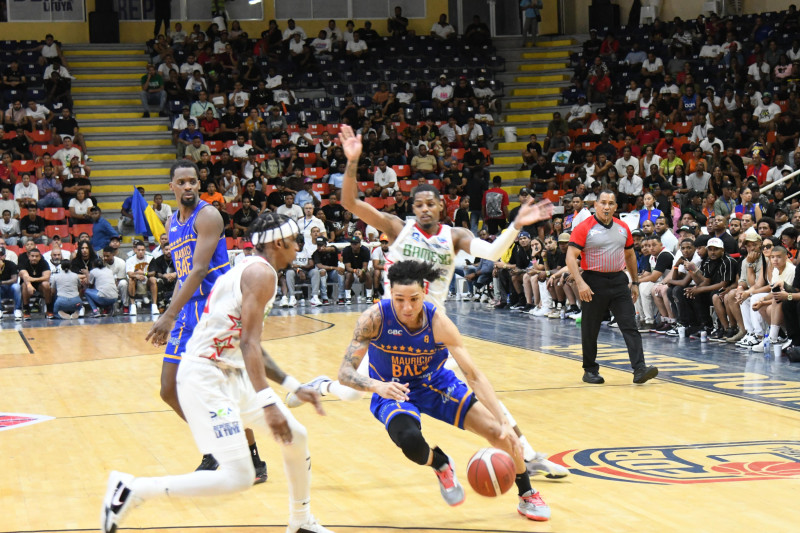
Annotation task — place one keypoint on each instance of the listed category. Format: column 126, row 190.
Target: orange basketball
column 491, row 472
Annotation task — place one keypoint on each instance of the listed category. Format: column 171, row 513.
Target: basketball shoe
column 532, row 506
column 293, row 401
column 261, row 473
column 117, row 502
column 542, row 465
column 208, row 463
column 311, row 526
column 451, row 489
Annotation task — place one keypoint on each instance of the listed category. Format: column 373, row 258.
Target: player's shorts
column 443, row 397
column 219, row 404
column 184, row 326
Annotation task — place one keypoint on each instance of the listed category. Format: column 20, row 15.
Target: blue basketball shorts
column 184, row 326
column 443, row 396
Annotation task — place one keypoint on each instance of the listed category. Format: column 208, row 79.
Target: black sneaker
column 693, row 332
column 593, row 377
column 208, row 463
column 613, row 323
column 663, row 328
column 526, row 308
column 261, row 473
column 645, row 373
column 501, row 305
column 718, row 335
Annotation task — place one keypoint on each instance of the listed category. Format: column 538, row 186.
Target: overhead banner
column 46, row 10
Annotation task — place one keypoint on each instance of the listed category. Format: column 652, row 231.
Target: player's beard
column 187, row 202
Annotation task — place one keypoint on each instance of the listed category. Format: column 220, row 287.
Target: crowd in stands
column 689, row 123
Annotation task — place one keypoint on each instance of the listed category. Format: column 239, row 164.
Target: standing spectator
column 530, row 26
column 495, row 207
column 152, row 85
column 605, row 245
column 102, row 231
column 398, row 24
column 126, row 215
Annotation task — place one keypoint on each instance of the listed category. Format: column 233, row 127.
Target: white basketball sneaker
column 542, row 465
column 119, row 499
column 311, row 526
column 293, row 401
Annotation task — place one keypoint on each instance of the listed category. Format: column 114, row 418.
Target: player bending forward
column 407, row 377
column 426, row 239
column 223, row 367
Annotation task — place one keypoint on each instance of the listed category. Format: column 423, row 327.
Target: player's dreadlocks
column 270, row 227
column 410, row 272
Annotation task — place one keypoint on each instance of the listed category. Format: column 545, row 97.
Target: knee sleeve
column 405, row 432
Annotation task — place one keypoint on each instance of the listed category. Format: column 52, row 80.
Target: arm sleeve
column 494, row 250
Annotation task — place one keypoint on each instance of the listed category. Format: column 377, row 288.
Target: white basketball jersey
column 216, row 337
column 414, row 244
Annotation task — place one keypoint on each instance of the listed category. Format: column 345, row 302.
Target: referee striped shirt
column 602, row 246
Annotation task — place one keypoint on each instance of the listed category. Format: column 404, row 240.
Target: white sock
column 528, row 453
column 774, row 333
column 507, row 413
column 348, row 293
column 344, row 392
column 369, row 293
column 297, row 465
column 234, row 476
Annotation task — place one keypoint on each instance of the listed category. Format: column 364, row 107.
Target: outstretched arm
column 385, row 222
column 529, row 213
column 367, row 328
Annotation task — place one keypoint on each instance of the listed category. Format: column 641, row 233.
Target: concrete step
column 107, row 113
column 121, row 144
column 132, row 150
column 80, row 89
column 116, row 189
column 131, row 158
column 513, row 43
column 108, row 63
column 111, row 47
column 92, row 103
column 117, row 74
column 132, row 135
column 110, row 127
column 543, row 67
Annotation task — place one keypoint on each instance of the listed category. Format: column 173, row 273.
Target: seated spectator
column 356, row 48
column 289, row 208
column 138, row 281
column 26, row 193
column 211, row 195
column 7, row 202
column 126, row 215
column 186, row 139
column 385, row 179
column 9, row 228
column 9, row 288
column 231, row 124
column 244, row 217
column 66, row 287
column 356, row 264
column 661, row 261
column 768, row 304
column 162, row 270
column 307, row 195
column 424, row 165
column 35, row 277
column 322, row 46
column 163, row 211
column 442, row 30
column 32, row 228
column 15, row 116
column 79, row 208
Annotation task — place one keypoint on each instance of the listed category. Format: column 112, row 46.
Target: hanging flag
column 145, row 220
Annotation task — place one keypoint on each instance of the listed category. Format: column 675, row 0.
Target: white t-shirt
column 385, row 179
column 296, row 212
column 188, row 68
column 65, row 156
column 81, row 208
column 321, row 46
column 622, row 165
column 654, row 66
column 296, row 46
column 134, row 264
column 580, row 111
column 758, row 72
column 239, row 98
column 10, row 228
column 710, row 51
column 359, row 46
column 442, row 93
column 632, row 95
column 766, row 113
column 31, row 191
column 40, row 113
column 442, row 31
column 287, row 33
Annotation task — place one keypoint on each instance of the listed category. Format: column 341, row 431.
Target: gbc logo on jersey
column 396, row 332
column 689, row 464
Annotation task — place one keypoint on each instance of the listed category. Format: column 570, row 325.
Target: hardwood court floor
column 713, row 446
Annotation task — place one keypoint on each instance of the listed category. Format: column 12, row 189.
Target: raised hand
column 531, row 213
column 351, row 143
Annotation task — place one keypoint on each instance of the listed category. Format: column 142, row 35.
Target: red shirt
column 647, row 137
column 451, row 205
column 494, row 202
column 759, row 172
column 602, row 247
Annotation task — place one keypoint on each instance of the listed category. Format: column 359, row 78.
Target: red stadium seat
column 270, row 189
column 363, row 186
column 214, row 146
column 407, row 185
column 308, row 157
column 77, row 229
column 314, row 172
column 41, row 136
column 22, row 166
column 377, row 203
column 333, row 129
column 53, row 213
column 230, row 243
column 232, row 207
column 61, row 231
column 38, row 150
column 458, row 153
column 402, row 171
column 323, row 189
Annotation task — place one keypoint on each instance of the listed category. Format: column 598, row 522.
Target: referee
column 605, row 246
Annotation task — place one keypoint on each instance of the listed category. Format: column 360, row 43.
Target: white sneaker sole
column 109, row 521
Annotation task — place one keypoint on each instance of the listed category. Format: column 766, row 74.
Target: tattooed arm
column 367, row 327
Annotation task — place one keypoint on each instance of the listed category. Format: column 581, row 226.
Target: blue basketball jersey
column 182, row 241
column 400, row 355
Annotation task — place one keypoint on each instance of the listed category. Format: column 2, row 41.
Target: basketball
column 491, row 472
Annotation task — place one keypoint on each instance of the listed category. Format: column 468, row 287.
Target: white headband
column 287, row 229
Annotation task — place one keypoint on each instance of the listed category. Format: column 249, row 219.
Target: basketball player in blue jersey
column 197, row 245
column 427, row 239
column 403, row 336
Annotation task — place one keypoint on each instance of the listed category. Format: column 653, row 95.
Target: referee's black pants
column 611, row 292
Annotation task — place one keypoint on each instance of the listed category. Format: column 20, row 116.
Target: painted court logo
column 689, row 464
column 18, row 420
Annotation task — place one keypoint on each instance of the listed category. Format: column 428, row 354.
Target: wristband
column 266, row 397
column 291, row 384
column 635, row 283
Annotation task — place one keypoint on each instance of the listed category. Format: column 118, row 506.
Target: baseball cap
column 564, row 237
column 321, row 241
column 715, row 243
column 751, row 235
column 669, row 132
column 685, row 228
column 525, row 234
column 302, row 124
column 766, row 95
column 186, row 107
column 247, row 245
column 637, row 233
column 442, row 77
column 524, row 191
column 481, row 79
column 727, row 185
column 355, row 239
column 308, row 179
column 383, row 237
